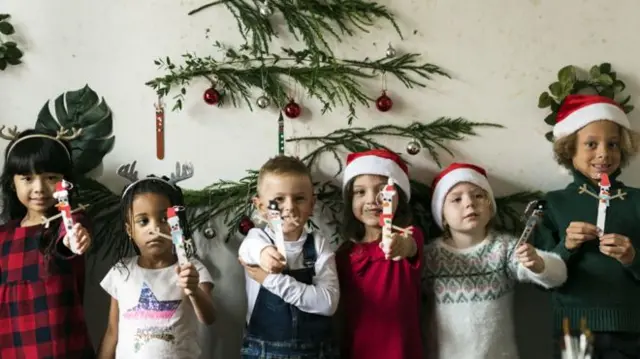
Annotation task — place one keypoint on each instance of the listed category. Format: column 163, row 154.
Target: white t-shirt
column 321, row 297
column 156, row 319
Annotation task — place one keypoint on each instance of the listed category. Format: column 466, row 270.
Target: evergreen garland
column 332, row 81
column 306, row 20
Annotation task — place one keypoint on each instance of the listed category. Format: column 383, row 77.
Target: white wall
column 501, row 54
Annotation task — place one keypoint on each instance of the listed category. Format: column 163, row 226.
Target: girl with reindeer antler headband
column 39, row 274
column 157, row 298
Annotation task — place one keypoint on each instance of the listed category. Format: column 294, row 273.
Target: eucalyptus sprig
column 10, row 52
column 334, row 82
column 600, row 79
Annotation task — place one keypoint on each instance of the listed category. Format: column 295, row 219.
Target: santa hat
column 577, row 111
column 449, row 178
column 378, row 162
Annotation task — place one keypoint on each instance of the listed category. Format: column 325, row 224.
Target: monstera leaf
column 81, row 109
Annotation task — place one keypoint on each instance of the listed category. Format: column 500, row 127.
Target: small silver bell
column 265, row 9
column 391, row 52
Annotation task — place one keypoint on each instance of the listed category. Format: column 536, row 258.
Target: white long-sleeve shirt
column 321, row 297
column 474, row 290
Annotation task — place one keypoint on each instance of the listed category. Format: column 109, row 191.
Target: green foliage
column 307, row 20
column 81, row 109
column 332, row 81
column 600, row 79
column 10, row 52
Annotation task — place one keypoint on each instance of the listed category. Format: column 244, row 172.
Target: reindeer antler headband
column 129, row 172
column 61, row 135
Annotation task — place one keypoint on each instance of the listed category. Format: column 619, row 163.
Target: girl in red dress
column 41, row 280
column 380, row 294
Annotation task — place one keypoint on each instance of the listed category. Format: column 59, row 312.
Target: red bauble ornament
column 292, row 109
column 384, row 102
column 211, row 96
column 245, row 225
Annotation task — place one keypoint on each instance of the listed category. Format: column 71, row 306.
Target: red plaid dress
column 41, row 313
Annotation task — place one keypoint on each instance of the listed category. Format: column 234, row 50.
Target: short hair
column 564, row 148
column 283, row 165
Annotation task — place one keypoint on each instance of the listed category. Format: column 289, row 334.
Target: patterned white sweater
column 474, row 290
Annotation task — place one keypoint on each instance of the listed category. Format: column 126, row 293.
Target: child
column 474, row 269
column 592, row 136
column 380, row 296
column 41, row 280
column 290, row 298
column 155, row 301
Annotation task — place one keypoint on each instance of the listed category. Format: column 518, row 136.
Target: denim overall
column 278, row 330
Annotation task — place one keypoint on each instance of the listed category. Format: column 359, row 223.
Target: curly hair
column 564, row 148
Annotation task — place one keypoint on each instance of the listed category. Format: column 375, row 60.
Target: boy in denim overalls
column 290, row 300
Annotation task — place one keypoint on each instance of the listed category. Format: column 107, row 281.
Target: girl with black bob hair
column 38, row 272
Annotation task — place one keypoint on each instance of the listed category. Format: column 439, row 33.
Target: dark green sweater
column 599, row 288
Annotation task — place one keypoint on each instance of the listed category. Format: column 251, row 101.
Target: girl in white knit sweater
column 473, row 270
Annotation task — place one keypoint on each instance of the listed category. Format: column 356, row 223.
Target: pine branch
column 332, row 81
column 306, row 20
column 431, row 136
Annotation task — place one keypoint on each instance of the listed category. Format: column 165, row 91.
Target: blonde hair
column 446, row 232
column 564, row 148
column 283, row 165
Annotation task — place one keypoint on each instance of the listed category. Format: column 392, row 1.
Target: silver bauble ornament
column 413, row 147
column 391, row 52
column 209, row 232
column 265, row 10
column 263, row 102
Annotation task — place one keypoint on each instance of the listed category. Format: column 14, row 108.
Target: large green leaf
column 82, row 109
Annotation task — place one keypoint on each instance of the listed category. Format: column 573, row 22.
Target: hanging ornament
column 292, row 109
column 265, row 9
column 280, row 135
column 391, row 52
column 413, row 147
column 245, row 225
column 159, row 129
column 209, row 232
column 384, row 102
column 263, row 102
column 211, row 96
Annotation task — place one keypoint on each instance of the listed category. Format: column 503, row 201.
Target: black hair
column 34, row 155
column 353, row 230
column 155, row 185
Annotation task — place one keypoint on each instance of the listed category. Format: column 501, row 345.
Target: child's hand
column 529, row 258
column 271, row 260
column 578, row 233
column 83, row 239
column 188, row 278
column 618, row 247
column 255, row 272
column 399, row 245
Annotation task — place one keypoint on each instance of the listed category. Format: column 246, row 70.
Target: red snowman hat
column 449, row 177
column 378, row 162
column 577, row 111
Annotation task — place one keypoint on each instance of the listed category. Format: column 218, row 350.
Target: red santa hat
column 377, row 162
column 449, row 178
column 577, row 111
